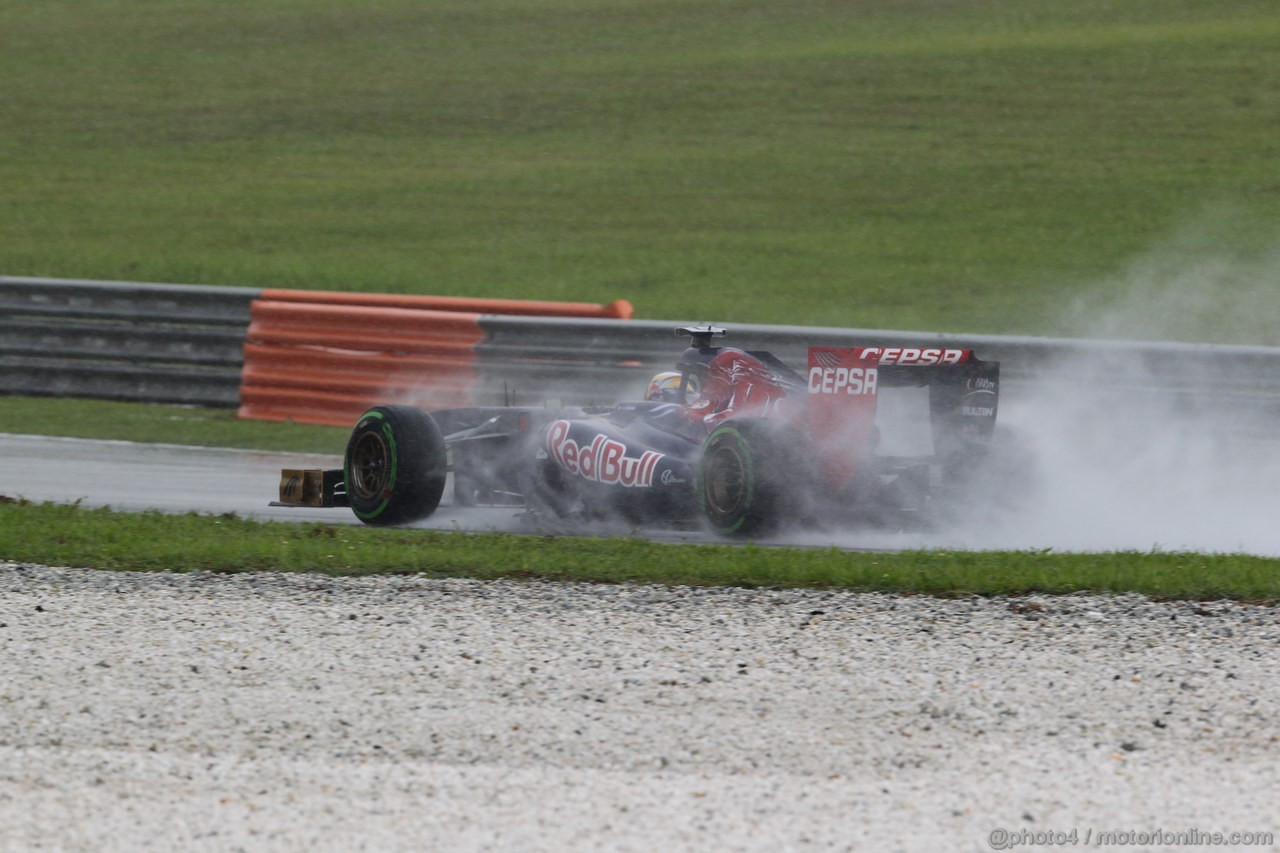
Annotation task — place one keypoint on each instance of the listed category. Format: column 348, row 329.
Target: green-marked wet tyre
column 741, row 477
column 395, row 466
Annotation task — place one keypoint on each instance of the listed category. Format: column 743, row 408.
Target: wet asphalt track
column 172, row 478
column 1175, row 496
column 134, row 477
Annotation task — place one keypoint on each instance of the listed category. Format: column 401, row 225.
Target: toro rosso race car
column 732, row 440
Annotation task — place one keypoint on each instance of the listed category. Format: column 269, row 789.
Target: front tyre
column 741, row 477
column 395, row 466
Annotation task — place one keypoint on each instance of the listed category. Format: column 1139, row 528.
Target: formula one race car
column 732, row 440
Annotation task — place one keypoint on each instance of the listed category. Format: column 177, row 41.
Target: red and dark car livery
column 741, row 443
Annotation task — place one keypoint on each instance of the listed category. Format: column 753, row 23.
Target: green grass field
column 963, row 167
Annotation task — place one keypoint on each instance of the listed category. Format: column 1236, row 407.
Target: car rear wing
column 958, row 397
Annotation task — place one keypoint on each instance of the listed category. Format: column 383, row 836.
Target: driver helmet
column 664, row 387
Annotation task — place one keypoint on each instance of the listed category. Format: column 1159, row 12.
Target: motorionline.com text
column 1009, row 839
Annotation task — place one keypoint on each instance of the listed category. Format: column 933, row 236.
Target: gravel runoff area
column 300, row 712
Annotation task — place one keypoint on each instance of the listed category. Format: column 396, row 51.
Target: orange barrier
column 619, row 309
column 362, row 328
column 323, row 358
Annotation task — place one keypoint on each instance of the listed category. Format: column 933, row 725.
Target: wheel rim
column 370, row 466
column 726, row 483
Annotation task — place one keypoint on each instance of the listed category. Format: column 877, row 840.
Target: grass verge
column 166, row 424
column 152, row 541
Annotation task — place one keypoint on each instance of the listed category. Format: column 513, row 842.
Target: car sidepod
column 615, row 468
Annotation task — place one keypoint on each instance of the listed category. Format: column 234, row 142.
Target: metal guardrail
column 122, row 341
column 184, row 343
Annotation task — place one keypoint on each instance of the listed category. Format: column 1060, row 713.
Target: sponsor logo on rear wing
column 853, row 370
column 923, row 356
column 841, row 410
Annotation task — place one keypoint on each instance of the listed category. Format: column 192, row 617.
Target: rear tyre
column 395, row 466
column 742, row 479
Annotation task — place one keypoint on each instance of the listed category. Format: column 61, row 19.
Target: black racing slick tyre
column 395, row 466
column 742, row 479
